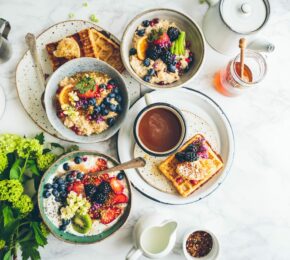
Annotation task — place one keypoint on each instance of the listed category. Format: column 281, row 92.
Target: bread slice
column 92, row 43
column 212, row 165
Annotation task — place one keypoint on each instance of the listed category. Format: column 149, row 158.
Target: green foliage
column 85, row 84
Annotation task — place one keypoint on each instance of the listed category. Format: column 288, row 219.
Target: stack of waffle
column 185, row 187
column 92, row 43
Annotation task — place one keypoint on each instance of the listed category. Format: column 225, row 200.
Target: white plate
column 203, row 107
column 27, row 84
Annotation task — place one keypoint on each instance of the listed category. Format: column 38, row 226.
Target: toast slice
column 92, row 43
column 209, row 166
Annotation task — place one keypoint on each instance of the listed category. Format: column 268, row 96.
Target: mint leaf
column 15, row 170
column 85, row 84
column 40, row 138
column 56, row 145
column 39, row 237
column 7, row 215
column 72, row 148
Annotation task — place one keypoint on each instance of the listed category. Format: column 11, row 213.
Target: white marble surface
column 250, row 213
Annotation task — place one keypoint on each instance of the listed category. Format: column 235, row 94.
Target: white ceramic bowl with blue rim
column 69, row 69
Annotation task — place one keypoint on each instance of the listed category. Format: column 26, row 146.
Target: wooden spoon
column 135, row 163
column 242, row 46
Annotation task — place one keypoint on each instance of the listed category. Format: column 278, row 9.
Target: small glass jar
column 228, row 81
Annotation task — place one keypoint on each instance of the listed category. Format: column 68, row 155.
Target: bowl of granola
column 86, row 100
column 163, row 48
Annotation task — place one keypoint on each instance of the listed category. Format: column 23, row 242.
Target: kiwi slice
column 82, row 223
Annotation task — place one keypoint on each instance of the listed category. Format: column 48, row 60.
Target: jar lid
column 244, row 16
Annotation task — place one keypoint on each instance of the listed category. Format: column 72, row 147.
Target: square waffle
column 92, row 43
column 185, row 187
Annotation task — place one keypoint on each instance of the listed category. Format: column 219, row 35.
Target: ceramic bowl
column 184, row 22
column 66, row 236
column 212, row 255
column 68, row 69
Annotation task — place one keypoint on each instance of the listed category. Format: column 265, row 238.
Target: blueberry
column 55, row 185
column 63, row 194
column 145, row 23
column 120, row 176
column 116, row 90
column 104, row 112
column 146, row 62
column 107, row 101
column 103, row 106
column 65, row 166
column 151, row 72
column 60, row 181
column 140, row 32
column 46, row 194
column 111, row 121
column 57, row 199
column 48, row 186
column 97, row 109
column 119, row 109
column 55, row 193
column 112, row 82
column 65, row 222
column 113, row 107
column 62, row 187
column 69, row 178
column 78, row 160
column 80, row 175
column 62, row 227
column 102, row 86
column 85, row 106
column 147, row 78
column 171, row 68
column 92, row 101
column 132, row 51
column 118, row 98
column 111, row 95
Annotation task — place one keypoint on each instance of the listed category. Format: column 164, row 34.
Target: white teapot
column 226, row 21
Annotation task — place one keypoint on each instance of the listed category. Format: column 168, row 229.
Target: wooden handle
column 135, row 163
column 242, row 45
column 31, row 43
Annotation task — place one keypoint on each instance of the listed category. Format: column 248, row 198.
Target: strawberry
column 104, row 177
column 89, row 94
column 120, row 198
column 179, row 180
column 116, row 185
column 163, row 40
column 109, row 214
column 193, row 182
column 78, row 187
column 102, row 164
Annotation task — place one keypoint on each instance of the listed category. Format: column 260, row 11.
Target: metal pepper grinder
column 5, row 46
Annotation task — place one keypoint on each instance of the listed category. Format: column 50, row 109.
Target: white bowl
column 211, row 255
column 184, row 22
column 68, row 69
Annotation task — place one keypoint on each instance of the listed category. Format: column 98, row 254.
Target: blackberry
column 100, row 198
column 180, row 156
column 153, row 52
column 167, row 58
column 190, row 156
column 132, row 51
column 90, row 189
column 104, row 187
column 192, row 148
column 173, row 33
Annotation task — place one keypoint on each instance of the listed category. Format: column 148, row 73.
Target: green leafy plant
column 155, row 34
column 85, row 84
column 23, row 161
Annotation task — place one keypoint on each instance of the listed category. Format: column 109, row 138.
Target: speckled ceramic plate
column 68, row 237
column 203, row 116
column 26, row 78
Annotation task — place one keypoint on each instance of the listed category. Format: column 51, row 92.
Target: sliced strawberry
column 116, row 185
column 102, row 163
column 78, row 187
column 89, row 94
column 163, row 40
column 104, row 177
column 193, row 182
column 120, row 198
column 97, row 181
column 109, row 214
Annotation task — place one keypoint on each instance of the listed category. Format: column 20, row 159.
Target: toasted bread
column 212, row 165
column 92, row 43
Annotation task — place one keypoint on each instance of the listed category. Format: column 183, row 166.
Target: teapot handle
column 261, row 45
column 134, row 254
column 7, row 28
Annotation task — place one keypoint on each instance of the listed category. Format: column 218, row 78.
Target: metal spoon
column 135, row 163
column 31, row 43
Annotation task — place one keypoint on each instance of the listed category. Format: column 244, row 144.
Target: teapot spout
column 261, row 45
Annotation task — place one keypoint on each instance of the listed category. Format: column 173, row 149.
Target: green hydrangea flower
column 23, row 204
column 9, row 143
column 2, row 244
column 44, row 229
column 3, row 162
column 29, row 147
column 10, row 190
column 45, row 160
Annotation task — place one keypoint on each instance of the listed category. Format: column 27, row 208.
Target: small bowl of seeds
column 200, row 244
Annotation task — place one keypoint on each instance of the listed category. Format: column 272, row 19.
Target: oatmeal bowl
column 163, row 48
column 86, row 100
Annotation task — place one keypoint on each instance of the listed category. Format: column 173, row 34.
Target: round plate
column 68, row 237
column 26, row 77
column 203, row 107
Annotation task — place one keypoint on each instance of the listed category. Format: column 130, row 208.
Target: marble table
column 250, row 212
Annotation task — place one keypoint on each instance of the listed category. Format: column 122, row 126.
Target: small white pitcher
column 154, row 236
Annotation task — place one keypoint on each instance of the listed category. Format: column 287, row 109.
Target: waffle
column 185, row 187
column 92, row 43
